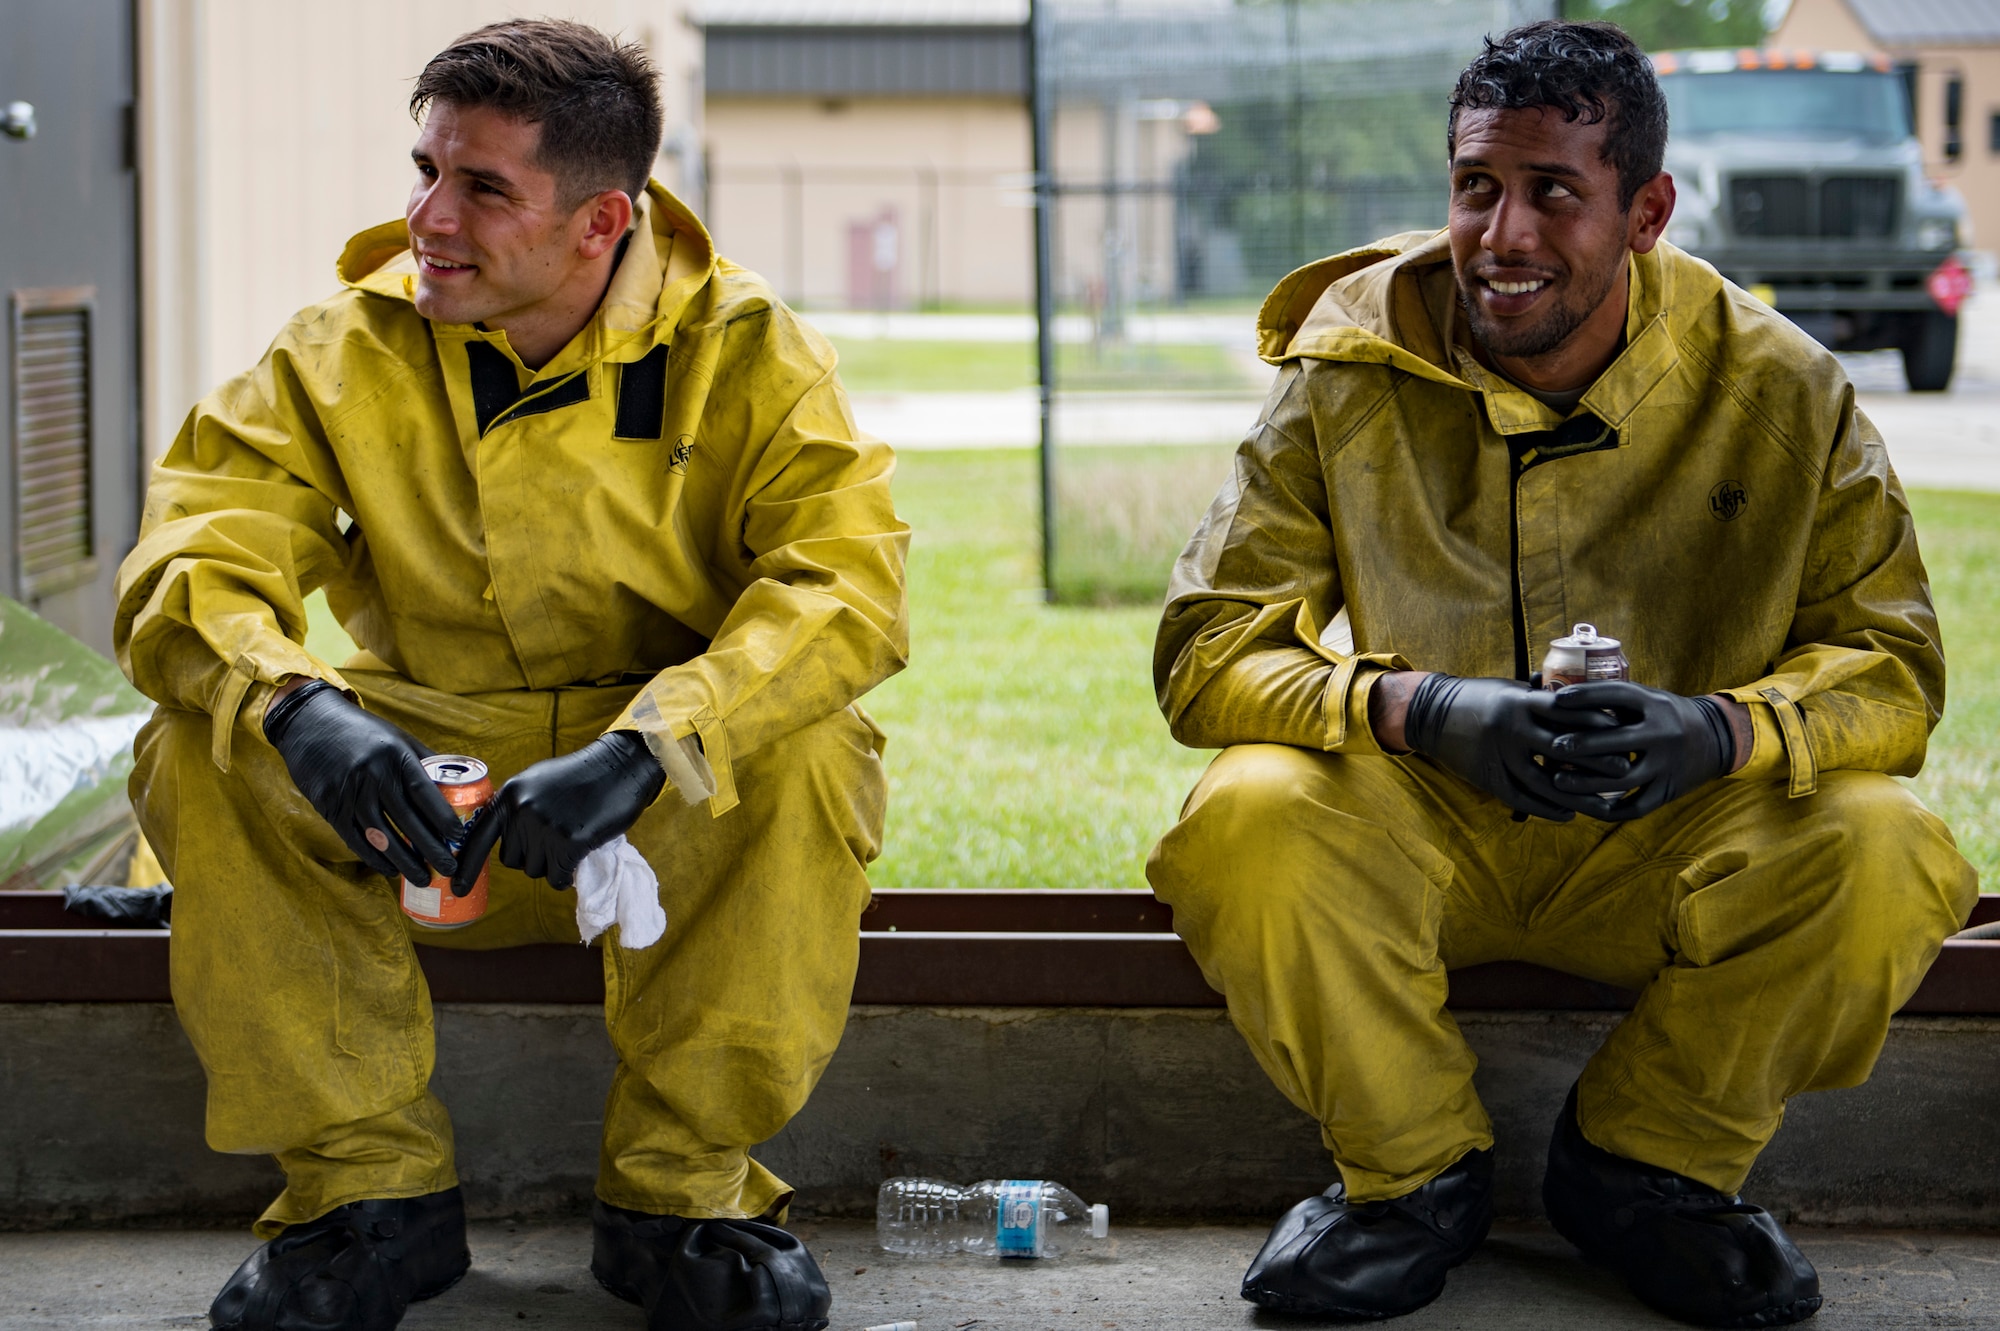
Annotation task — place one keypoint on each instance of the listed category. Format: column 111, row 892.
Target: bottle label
column 1018, row 1223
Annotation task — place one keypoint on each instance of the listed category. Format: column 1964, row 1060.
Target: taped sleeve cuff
column 694, row 753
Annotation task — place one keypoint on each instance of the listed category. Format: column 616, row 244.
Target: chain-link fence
column 1192, row 152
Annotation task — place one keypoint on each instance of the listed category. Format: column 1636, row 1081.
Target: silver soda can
column 1583, row 657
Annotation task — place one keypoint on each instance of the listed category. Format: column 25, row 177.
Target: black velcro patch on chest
column 494, row 387
column 496, row 395
column 642, row 397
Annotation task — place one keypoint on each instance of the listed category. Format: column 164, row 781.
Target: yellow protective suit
column 1739, row 528
column 674, row 527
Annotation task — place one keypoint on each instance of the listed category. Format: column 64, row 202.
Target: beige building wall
column 1829, row 25
column 792, row 178
column 272, row 130
column 1124, row 238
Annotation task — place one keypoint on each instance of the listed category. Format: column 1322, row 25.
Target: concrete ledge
column 1160, row 1112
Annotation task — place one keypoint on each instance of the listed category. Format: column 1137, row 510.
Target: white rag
column 615, row 885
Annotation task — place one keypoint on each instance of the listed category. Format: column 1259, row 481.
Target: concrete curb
column 1160, row 1112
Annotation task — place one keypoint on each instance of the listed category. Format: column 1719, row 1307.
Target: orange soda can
column 464, row 784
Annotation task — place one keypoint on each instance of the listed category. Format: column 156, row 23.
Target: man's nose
column 1511, row 227
column 431, row 213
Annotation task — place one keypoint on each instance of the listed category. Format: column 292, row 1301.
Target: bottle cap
column 1100, row 1221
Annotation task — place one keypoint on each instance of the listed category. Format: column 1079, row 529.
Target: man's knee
column 1250, row 795
column 828, row 774
column 1896, row 884
column 188, row 807
column 1232, row 827
column 173, row 770
column 1862, row 881
column 1282, row 842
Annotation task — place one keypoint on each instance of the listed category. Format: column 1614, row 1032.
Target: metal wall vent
column 53, row 547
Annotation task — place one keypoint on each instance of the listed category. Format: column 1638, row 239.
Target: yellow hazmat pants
column 295, row 979
column 1772, row 938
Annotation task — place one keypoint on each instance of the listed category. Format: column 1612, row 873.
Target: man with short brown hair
column 592, row 504
column 1478, row 437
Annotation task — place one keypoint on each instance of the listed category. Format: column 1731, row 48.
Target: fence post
column 795, row 232
column 1038, row 116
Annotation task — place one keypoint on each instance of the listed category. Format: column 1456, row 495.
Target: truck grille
column 1796, row 207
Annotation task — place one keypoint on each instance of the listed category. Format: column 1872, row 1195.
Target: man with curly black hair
column 1541, row 415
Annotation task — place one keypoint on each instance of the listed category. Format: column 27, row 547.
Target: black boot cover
column 708, row 1275
column 1330, row 1258
column 1691, row 1252
column 356, row 1268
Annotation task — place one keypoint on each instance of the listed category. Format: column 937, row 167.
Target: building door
column 70, row 480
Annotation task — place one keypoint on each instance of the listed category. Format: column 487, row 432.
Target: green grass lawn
column 878, row 365
column 1960, row 538
column 1123, row 514
column 1025, row 748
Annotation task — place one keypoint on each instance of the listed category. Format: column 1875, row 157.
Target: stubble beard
column 1573, row 305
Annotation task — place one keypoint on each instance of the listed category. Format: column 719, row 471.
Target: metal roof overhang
column 867, row 61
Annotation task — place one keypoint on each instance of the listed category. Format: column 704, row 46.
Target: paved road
column 1160, row 1279
column 1944, row 441
column 1937, row 440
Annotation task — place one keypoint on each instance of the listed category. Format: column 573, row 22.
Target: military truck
column 1800, row 178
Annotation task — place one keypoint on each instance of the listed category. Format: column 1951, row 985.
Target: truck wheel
column 1930, row 351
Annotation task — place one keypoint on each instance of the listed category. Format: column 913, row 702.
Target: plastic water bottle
column 1019, row 1218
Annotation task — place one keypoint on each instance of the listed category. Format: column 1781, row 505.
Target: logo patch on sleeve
column 683, row 450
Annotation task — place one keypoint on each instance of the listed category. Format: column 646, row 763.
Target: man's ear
column 1651, row 207
column 608, row 215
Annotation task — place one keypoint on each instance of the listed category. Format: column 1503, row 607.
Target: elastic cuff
column 285, row 1212
column 696, row 1190
column 274, row 708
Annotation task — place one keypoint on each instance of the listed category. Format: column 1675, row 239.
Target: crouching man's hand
column 1672, row 745
column 1486, row 731
column 366, row 778
column 558, row 811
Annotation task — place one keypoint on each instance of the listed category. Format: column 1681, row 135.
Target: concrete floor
column 1170, row 1279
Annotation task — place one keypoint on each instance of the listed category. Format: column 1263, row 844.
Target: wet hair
column 1590, row 72
column 596, row 99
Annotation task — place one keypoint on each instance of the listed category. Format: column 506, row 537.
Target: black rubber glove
column 364, row 775
column 1489, row 732
column 1680, row 745
column 558, row 811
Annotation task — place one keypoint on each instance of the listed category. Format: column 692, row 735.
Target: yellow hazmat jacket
column 1737, row 524
column 680, row 498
